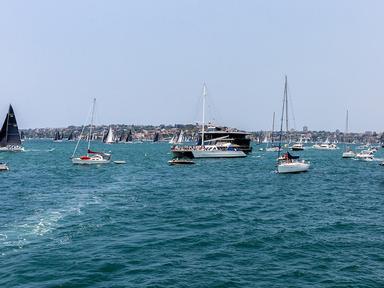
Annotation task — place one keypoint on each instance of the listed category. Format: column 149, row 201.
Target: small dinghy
column 177, row 161
column 119, row 162
column 3, row 167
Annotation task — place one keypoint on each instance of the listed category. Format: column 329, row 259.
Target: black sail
column 156, row 138
column 129, row 136
column 9, row 134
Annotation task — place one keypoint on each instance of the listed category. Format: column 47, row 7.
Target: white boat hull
column 318, row 147
column 218, row 154
column 11, row 149
column 364, row 157
column 349, row 154
column 3, row 167
column 91, row 161
column 292, row 167
column 272, row 149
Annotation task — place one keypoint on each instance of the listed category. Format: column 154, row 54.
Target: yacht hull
column 218, row 154
column 79, row 161
column 293, row 167
column 12, row 149
column 347, row 155
column 3, row 167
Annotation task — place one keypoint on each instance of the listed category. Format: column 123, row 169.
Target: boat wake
column 40, row 150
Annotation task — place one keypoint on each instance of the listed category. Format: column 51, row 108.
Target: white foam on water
column 39, row 150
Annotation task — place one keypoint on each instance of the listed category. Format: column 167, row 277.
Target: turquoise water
column 219, row 223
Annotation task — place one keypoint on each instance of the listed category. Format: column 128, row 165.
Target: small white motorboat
column 119, row 162
column 297, row 147
column 366, row 155
column 293, row 166
column 273, row 149
column 349, row 154
column 4, row 167
column 325, row 146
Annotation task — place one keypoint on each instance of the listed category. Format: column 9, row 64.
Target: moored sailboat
column 91, row 157
column 288, row 163
column 9, row 135
column 272, row 148
column 348, row 153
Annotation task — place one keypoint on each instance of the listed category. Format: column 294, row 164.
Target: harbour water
column 218, row 223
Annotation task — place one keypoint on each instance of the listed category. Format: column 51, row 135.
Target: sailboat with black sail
column 9, row 135
column 58, row 137
column 92, row 157
column 288, row 163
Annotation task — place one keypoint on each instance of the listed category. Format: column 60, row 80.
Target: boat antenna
column 203, row 124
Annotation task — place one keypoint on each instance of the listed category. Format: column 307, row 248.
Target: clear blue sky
column 145, row 61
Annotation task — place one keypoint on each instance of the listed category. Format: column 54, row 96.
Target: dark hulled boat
column 221, row 137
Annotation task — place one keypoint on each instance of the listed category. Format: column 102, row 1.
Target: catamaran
column 9, row 135
column 288, row 163
column 92, row 157
column 207, row 151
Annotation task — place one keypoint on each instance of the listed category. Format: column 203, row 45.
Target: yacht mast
column 286, row 104
column 273, row 126
column 91, row 126
column 202, row 126
column 282, row 117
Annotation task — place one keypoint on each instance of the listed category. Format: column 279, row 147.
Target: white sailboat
column 180, row 139
column 207, row 151
column 348, row 153
column 288, row 163
column 270, row 146
column 109, row 138
column 91, row 157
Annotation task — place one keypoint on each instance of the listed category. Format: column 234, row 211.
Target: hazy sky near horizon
column 146, row 61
